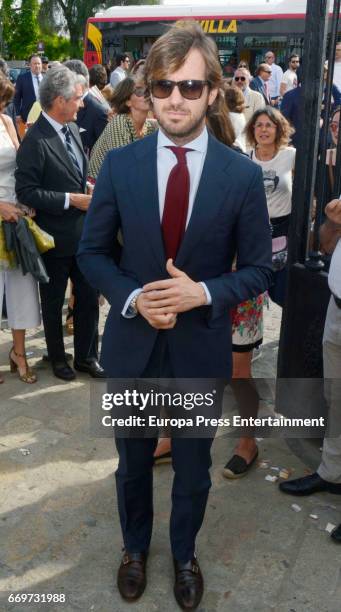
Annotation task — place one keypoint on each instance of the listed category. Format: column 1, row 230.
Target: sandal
column 69, row 321
column 28, row 376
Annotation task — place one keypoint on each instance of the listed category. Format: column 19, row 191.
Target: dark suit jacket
column 93, row 118
column 24, row 96
column 229, row 217
column 44, row 174
column 257, row 85
column 292, row 109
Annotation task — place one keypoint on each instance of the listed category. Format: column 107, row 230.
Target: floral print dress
column 247, row 324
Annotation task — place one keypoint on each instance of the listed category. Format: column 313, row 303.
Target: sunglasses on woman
column 140, row 92
column 191, row 89
column 240, row 78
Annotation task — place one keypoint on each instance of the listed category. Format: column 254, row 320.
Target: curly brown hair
column 284, row 131
column 6, row 91
column 234, row 99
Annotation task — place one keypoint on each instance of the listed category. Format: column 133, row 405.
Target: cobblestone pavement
column 59, row 525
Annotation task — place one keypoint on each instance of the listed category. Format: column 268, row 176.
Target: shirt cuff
column 67, row 201
column 208, row 295
column 126, row 313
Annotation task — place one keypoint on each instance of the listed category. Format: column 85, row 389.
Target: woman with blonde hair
column 21, row 291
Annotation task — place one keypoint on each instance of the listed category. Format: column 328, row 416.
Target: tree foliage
column 24, row 27
column 20, row 28
column 76, row 13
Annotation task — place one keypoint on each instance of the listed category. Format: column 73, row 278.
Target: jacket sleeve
column 18, row 95
column 254, row 253
column 29, row 178
column 95, row 254
column 101, row 121
column 286, row 106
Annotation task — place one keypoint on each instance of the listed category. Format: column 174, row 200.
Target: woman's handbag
column 44, row 241
column 8, row 260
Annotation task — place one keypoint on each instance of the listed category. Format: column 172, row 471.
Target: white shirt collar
column 198, row 144
column 55, row 124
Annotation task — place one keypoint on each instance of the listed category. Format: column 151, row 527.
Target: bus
column 242, row 30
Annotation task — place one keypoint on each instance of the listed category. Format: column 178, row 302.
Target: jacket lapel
column 56, row 146
column 144, row 186
column 210, row 197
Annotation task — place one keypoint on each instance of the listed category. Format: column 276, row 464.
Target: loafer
column 131, row 577
column 189, row 584
column 237, row 467
column 62, row 370
column 336, row 534
column 313, row 483
column 90, row 366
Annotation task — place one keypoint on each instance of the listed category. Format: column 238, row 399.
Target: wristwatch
column 133, row 306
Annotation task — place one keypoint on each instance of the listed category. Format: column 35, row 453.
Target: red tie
column 176, row 203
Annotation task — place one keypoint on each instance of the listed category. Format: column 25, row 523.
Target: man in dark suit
column 27, row 88
column 51, row 178
column 92, row 117
column 260, row 82
column 187, row 205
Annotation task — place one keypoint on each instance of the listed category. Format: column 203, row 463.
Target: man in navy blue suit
column 261, row 82
column 27, row 88
column 186, row 205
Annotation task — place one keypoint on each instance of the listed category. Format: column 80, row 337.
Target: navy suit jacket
column 24, row 96
column 257, row 85
column 229, row 218
column 93, row 118
column 292, row 109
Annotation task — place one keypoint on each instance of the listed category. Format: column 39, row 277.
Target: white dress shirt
column 117, row 76
column 166, row 160
column 58, row 128
column 334, row 276
column 275, row 80
column 35, row 79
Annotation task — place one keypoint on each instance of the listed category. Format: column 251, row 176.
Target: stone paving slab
column 59, row 528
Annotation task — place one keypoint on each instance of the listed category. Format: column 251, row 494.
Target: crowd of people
column 184, row 232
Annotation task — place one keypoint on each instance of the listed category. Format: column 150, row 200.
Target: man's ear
column 212, row 95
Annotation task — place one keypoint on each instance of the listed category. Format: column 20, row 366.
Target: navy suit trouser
column 191, row 461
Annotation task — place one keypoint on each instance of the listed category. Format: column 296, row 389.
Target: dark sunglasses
column 191, row 89
column 240, row 78
column 140, row 92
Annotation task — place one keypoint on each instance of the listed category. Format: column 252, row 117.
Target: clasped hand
column 10, row 212
column 161, row 301
column 333, row 211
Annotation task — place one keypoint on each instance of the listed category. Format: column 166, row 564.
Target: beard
column 191, row 128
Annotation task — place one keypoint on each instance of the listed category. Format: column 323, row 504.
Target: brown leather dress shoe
column 131, row 577
column 189, row 584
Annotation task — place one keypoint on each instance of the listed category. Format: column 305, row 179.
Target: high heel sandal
column 28, row 376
